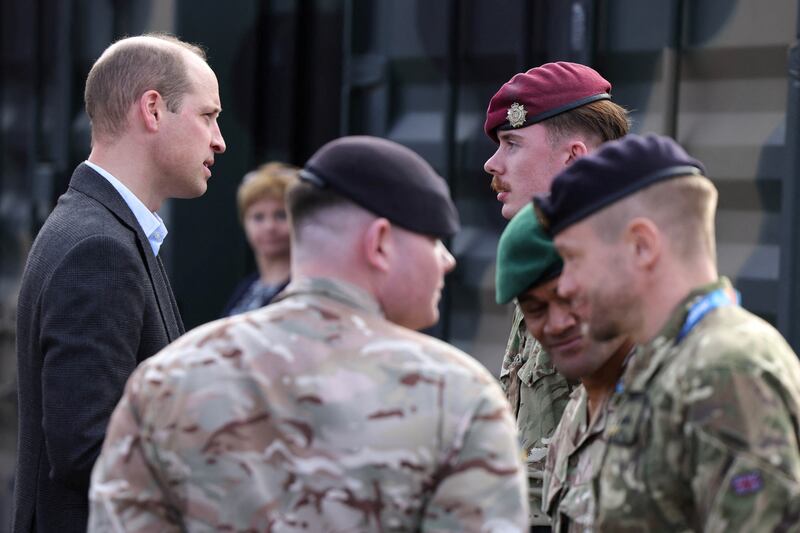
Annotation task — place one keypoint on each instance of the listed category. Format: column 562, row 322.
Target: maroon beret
column 541, row 93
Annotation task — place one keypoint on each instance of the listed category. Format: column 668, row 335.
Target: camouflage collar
column 649, row 357
column 590, row 427
column 334, row 289
column 675, row 322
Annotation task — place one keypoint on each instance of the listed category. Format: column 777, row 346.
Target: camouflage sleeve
column 124, row 494
column 482, row 484
column 513, row 347
column 744, row 461
column 556, row 462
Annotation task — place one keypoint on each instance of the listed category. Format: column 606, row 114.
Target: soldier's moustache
column 498, row 185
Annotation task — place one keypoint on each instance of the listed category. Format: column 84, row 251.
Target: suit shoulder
column 77, row 214
column 76, row 220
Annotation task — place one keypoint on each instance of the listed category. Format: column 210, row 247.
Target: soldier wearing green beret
column 542, row 120
column 325, row 411
column 528, row 268
column 703, row 431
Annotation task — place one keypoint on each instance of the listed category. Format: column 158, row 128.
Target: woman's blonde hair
column 270, row 180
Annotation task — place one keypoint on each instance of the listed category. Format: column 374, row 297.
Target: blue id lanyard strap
column 718, row 298
column 706, row 304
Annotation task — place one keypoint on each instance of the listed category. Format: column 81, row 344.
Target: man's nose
column 559, row 319
column 217, row 142
column 493, row 164
column 566, row 284
column 446, row 259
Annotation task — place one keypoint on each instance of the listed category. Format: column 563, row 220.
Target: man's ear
column 575, row 150
column 150, row 108
column 378, row 245
column 644, row 242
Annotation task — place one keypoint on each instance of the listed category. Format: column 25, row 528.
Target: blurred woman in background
column 263, row 214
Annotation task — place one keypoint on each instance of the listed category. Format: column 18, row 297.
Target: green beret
column 526, row 256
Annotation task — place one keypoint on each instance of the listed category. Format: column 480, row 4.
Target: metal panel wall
column 713, row 75
column 789, row 294
column 296, row 73
column 422, row 73
column 278, row 63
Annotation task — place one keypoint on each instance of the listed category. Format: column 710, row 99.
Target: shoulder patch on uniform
column 747, row 483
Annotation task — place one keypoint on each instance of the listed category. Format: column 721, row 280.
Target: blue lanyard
column 709, row 302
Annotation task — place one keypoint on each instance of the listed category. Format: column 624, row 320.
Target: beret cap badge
column 516, row 115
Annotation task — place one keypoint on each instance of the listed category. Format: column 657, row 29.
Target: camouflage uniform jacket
column 703, row 433
column 573, row 463
column 538, row 395
column 312, row 414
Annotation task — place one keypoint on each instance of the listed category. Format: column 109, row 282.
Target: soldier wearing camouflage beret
column 528, row 268
column 703, row 428
column 542, row 120
column 324, row 411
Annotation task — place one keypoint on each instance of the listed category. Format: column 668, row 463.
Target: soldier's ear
column 377, row 245
column 643, row 243
column 574, row 151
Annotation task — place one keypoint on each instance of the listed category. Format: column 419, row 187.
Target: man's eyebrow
column 509, row 136
column 528, row 298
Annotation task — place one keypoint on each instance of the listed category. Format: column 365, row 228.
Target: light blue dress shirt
column 151, row 224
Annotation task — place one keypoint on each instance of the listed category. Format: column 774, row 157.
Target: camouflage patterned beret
column 526, row 257
column 387, row 179
column 543, row 92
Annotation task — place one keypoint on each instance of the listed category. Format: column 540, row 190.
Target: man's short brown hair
column 127, row 69
column 603, row 120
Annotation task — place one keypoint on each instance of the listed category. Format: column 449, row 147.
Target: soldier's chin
column 423, row 322
column 567, row 354
column 571, row 369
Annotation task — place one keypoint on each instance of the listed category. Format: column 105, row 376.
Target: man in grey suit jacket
column 95, row 300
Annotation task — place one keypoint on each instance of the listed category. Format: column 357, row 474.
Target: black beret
column 616, row 170
column 387, row 179
column 543, row 92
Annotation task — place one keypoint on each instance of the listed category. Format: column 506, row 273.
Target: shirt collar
column 151, row 224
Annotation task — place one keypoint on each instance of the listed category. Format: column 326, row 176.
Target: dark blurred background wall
column 721, row 76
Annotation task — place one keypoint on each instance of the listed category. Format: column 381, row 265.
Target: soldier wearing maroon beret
column 542, row 120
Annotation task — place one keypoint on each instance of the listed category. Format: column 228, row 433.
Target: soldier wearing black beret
column 542, row 120
column 703, row 432
column 325, row 411
column 387, row 179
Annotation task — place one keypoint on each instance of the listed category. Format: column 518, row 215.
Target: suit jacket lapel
column 180, row 330
column 90, row 183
